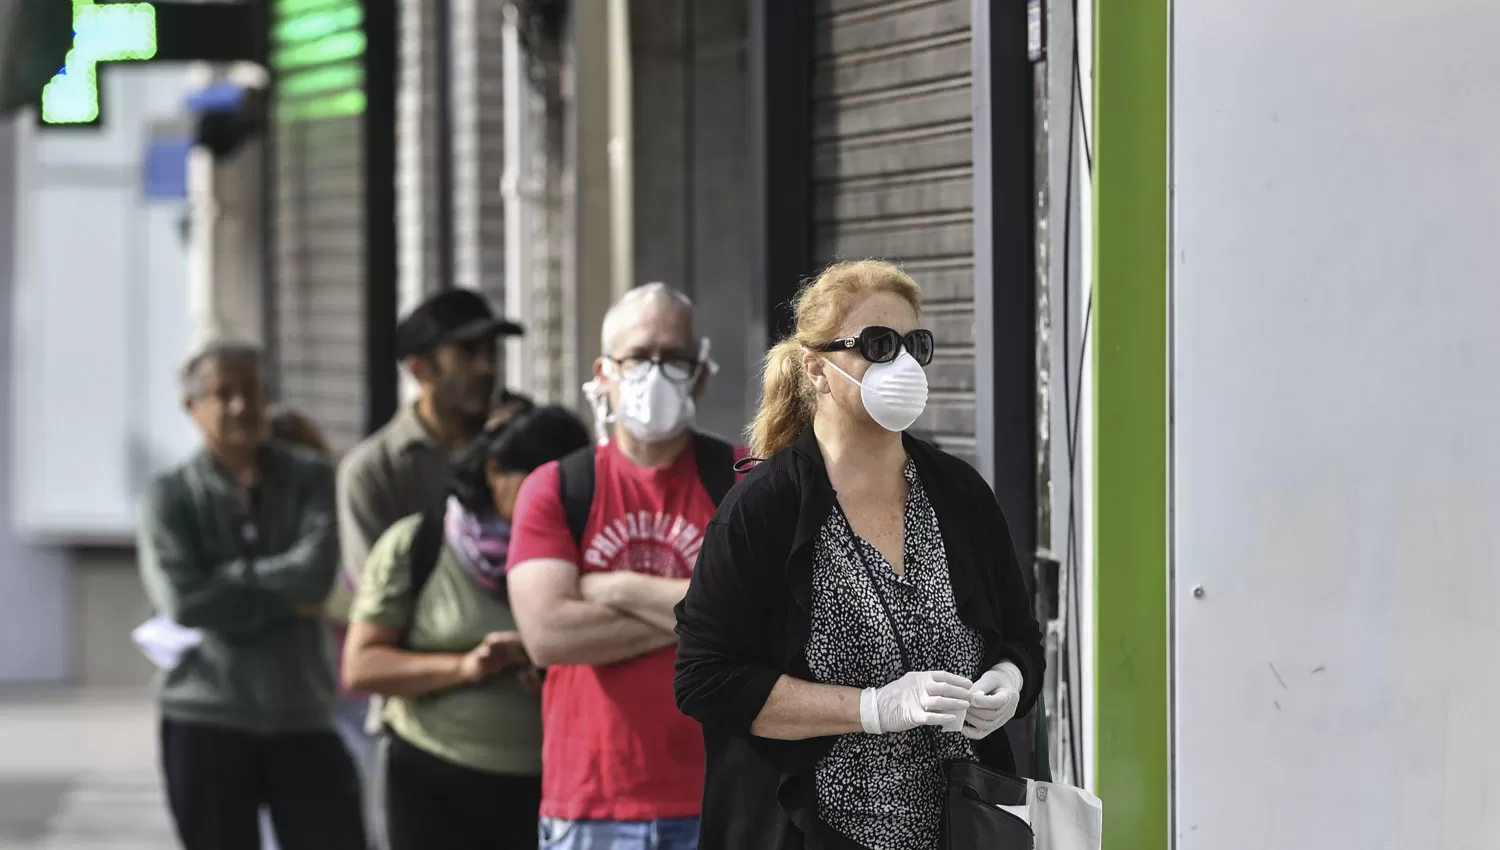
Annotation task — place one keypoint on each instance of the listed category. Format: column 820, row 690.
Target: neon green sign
column 318, row 49
column 114, row 32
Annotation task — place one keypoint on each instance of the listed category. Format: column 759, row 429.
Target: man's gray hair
column 220, row 351
column 645, row 293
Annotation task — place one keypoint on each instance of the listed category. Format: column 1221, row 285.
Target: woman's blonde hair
column 787, row 399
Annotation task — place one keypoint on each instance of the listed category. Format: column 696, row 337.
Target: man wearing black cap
column 448, row 345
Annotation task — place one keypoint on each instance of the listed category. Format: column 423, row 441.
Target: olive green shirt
column 397, row 471
column 493, row 726
column 261, row 668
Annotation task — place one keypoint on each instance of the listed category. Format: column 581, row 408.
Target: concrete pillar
column 592, row 239
column 416, row 139
column 479, row 142
column 520, row 214
column 224, row 234
column 621, row 147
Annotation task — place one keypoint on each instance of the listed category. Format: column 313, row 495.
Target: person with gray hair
column 239, row 545
column 602, row 544
column 617, row 320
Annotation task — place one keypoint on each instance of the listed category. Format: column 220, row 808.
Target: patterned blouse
column 886, row 791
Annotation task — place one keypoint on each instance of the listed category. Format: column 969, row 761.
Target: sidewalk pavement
column 78, row 771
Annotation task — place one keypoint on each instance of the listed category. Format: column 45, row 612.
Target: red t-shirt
column 615, row 747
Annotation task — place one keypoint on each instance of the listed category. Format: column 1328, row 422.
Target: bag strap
column 575, row 489
column 715, row 466
column 426, row 547
column 879, row 594
column 576, row 477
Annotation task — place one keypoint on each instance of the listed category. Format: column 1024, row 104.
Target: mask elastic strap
column 599, row 402
column 704, row 361
column 848, row 377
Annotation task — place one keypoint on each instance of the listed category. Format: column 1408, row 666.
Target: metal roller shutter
column 318, row 330
column 893, row 171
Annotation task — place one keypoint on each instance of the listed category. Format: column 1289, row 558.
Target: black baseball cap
column 455, row 315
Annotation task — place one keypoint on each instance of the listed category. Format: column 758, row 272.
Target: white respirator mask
column 655, row 406
column 894, row 393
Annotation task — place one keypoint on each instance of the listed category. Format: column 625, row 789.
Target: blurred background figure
column 434, row 634
column 292, row 426
column 447, row 344
column 239, row 545
column 507, row 406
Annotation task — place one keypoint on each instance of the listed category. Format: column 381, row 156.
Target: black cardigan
column 747, row 614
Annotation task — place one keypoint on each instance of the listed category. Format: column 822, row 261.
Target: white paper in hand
column 165, row 642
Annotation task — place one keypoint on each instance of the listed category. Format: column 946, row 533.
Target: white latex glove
column 993, row 700
column 932, row 698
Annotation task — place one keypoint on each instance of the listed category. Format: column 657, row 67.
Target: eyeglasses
column 677, row 368
column 879, row 344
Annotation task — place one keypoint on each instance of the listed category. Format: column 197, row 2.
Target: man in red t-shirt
column 622, row 768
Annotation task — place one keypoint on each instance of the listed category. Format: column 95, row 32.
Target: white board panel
column 79, row 382
column 1336, row 465
column 35, row 583
column 100, row 320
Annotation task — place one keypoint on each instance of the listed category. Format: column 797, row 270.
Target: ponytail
column 786, row 404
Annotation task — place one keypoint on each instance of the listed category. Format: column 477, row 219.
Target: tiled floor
column 78, row 772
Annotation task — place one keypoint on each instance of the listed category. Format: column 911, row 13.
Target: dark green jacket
column 261, row 668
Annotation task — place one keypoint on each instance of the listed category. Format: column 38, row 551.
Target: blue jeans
column 674, row 834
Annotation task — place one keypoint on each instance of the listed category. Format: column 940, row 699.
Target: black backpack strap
column 426, row 547
column 575, row 489
column 715, row 466
column 575, row 479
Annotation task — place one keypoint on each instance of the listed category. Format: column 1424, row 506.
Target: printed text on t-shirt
column 656, row 543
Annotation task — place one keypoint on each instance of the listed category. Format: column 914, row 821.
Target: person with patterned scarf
column 463, row 757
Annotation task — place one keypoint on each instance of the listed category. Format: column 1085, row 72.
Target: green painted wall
column 1130, row 426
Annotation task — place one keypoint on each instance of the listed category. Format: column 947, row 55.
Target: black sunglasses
column 879, row 344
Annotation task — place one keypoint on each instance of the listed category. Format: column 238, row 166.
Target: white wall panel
column 100, row 319
column 34, row 580
column 1336, row 466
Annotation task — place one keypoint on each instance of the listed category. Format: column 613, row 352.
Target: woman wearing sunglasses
column 857, row 616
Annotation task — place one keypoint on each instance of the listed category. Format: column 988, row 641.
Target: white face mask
column 894, row 393
column 652, row 408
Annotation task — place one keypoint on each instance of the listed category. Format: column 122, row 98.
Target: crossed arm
column 645, row 597
column 594, row 619
column 243, row 596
